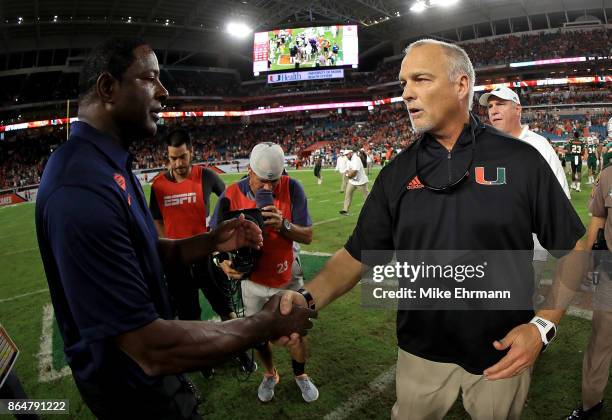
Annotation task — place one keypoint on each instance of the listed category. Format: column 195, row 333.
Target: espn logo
column 179, row 199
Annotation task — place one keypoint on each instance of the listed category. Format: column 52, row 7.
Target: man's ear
column 463, row 86
column 106, row 87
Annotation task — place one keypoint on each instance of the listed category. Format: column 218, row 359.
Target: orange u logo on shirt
column 480, row 176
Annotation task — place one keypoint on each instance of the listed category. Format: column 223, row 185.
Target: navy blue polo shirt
column 99, row 250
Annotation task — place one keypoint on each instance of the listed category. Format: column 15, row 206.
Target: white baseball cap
column 267, row 160
column 502, row 92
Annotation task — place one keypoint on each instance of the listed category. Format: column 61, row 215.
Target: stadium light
column 237, row 29
column 443, row 3
column 418, row 7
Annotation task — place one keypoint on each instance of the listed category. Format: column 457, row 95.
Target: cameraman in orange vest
column 179, row 203
column 284, row 208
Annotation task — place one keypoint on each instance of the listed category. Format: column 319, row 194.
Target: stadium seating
column 226, row 139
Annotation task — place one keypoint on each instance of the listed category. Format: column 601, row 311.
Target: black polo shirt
column 99, row 250
column 400, row 215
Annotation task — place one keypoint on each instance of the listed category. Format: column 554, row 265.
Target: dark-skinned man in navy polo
column 429, row 203
column 104, row 261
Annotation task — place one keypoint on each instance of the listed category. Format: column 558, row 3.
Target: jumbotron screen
column 305, row 48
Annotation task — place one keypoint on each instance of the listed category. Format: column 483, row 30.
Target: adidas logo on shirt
column 415, row 184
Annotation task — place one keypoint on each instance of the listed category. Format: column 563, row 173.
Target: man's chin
column 419, row 127
column 151, row 128
column 422, row 128
column 498, row 125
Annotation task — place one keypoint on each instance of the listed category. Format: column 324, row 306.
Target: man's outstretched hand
column 236, row 233
column 293, row 324
column 525, row 344
column 290, row 300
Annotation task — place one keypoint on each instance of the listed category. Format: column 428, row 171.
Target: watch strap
column 547, row 329
column 286, row 225
column 309, row 299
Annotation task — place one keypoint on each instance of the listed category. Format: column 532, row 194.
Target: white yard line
column 316, row 253
column 46, row 372
column 580, row 313
column 361, row 398
column 23, row 295
column 322, row 222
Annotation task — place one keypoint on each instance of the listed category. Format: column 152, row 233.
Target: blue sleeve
column 213, row 219
column 99, row 271
column 299, row 205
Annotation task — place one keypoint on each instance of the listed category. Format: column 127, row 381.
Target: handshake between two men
column 294, row 321
column 165, row 346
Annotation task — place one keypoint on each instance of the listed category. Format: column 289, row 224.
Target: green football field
column 353, row 349
column 281, row 59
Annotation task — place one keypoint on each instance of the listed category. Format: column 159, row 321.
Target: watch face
column 286, row 224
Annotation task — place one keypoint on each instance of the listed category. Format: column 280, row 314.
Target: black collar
column 470, row 131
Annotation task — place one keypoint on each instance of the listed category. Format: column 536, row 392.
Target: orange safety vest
column 273, row 268
column 181, row 204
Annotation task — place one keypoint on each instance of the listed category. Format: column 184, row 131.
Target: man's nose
column 408, row 93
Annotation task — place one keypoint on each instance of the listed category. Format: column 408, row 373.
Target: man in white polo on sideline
column 504, row 107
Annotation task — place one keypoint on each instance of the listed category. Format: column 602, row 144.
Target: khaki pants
column 350, row 190
column 427, row 390
column 343, row 182
column 596, row 363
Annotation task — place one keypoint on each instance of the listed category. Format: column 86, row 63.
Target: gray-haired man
column 441, row 194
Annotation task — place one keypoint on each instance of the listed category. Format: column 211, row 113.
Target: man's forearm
column 552, row 315
column 192, row 345
column 168, row 346
column 186, row 251
column 569, row 273
column 595, row 224
column 340, row 274
column 298, row 233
